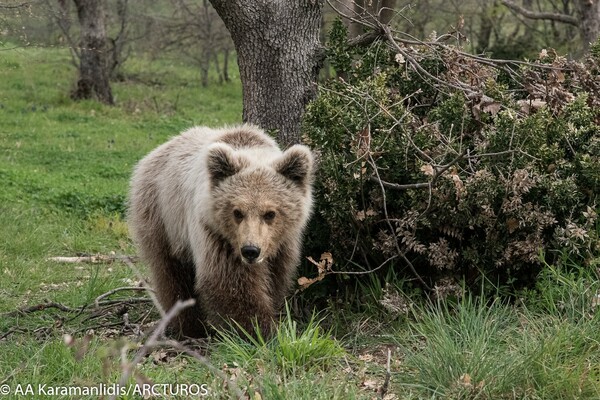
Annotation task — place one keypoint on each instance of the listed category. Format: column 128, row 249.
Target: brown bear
column 219, row 215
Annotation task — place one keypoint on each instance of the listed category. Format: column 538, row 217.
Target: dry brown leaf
column 370, row 384
column 465, row 380
column 323, row 268
column 363, row 141
column 492, row 108
column 160, row 357
column 530, row 106
column 512, row 224
column 427, row 169
column 361, row 215
column 596, row 301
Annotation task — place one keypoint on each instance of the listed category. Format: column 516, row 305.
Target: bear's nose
column 250, row 253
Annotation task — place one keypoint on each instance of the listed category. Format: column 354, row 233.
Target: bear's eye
column 269, row 216
column 238, row 215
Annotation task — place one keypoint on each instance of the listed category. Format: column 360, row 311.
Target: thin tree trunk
column 589, row 15
column 226, row 65
column 93, row 63
column 277, row 43
column 367, row 11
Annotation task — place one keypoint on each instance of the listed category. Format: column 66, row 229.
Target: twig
column 364, row 39
column 417, row 66
column 181, row 347
column 11, row 331
column 420, row 185
column 40, row 307
column 152, row 340
column 350, row 17
column 398, row 186
column 99, row 326
column 150, row 292
column 387, row 219
column 119, row 289
column 364, row 272
column 93, row 259
column 128, row 300
column 388, row 375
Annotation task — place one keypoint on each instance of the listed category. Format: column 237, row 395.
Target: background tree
column 196, row 31
column 281, row 43
column 356, row 13
column 93, row 79
column 583, row 14
column 119, row 42
column 60, row 13
column 279, row 55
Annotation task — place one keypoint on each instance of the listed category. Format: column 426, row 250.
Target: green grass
column 491, row 350
column 65, row 168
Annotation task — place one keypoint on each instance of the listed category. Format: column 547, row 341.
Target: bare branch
column 230, row 383
column 92, row 259
column 41, row 307
column 389, row 223
column 119, row 289
column 152, row 340
column 365, row 39
column 564, row 18
column 421, row 185
column 352, row 18
column 388, row 375
column 150, row 292
column 365, row 272
column 398, row 186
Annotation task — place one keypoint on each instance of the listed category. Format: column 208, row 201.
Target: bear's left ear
column 296, row 164
column 222, row 163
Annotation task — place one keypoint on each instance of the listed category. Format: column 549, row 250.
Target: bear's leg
column 282, row 281
column 244, row 299
column 173, row 280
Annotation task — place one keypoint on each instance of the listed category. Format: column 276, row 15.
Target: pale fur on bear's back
column 219, row 215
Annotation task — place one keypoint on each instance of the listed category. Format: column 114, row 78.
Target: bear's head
column 261, row 198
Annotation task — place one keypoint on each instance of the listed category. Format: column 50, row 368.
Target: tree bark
column 93, row 62
column 277, row 43
column 589, row 25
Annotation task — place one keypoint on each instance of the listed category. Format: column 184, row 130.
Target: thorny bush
column 466, row 166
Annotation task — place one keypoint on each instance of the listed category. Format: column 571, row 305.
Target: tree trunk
column 589, row 15
column 226, row 65
column 93, row 63
column 277, row 43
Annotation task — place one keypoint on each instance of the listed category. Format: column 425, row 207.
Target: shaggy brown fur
column 219, row 215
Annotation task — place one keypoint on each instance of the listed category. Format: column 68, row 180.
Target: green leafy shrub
column 455, row 166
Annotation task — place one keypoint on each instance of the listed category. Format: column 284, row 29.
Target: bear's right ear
column 222, row 163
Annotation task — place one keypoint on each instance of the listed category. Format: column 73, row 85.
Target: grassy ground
column 65, row 166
